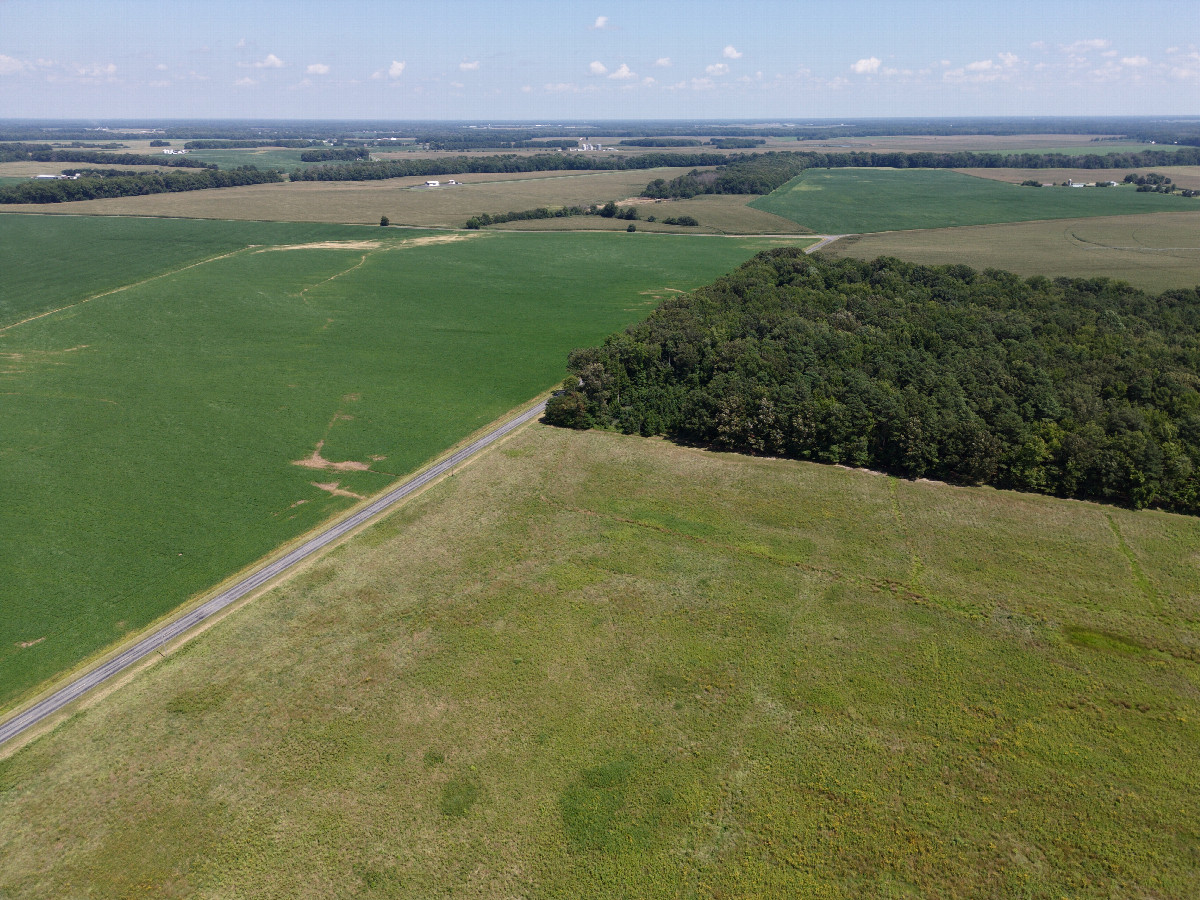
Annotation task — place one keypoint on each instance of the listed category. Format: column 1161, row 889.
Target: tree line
column 45, row 153
column 131, row 184
column 321, row 154
column 1083, row 388
column 761, row 173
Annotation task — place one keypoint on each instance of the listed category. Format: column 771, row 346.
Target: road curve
column 153, row 642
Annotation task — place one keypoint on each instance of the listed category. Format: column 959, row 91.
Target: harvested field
column 403, row 200
column 1154, row 252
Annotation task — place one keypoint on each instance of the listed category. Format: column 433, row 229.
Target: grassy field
column 282, row 158
column 1154, row 252
column 1184, row 176
column 403, row 200
column 716, row 213
column 984, row 143
column 558, row 674
column 848, row 201
column 150, row 435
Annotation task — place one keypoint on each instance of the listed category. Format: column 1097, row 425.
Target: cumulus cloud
column 597, row 68
column 647, row 81
column 561, row 87
column 469, row 66
column 623, row 73
column 271, row 62
column 317, row 69
column 983, row 65
column 396, row 69
column 1008, row 59
column 1134, row 62
column 96, row 70
column 162, row 67
column 600, row 24
column 730, row 53
column 702, row 84
column 10, row 65
column 244, row 82
column 526, row 89
column 663, row 62
column 457, row 85
column 867, row 66
column 241, row 45
column 717, row 69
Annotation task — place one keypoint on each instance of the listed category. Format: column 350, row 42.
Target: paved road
column 825, row 239
column 169, row 632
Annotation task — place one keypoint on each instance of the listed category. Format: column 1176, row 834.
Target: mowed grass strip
column 569, row 672
column 1154, row 252
column 405, row 201
column 150, row 436
column 852, row 201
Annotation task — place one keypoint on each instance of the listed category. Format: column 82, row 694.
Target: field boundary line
column 125, row 287
column 188, row 622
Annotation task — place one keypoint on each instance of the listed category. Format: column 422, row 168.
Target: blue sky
column 530, row 59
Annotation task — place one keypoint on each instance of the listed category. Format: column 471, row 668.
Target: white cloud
column 984, row 65
column 271, row 62
column 647, row 81
column 240, row 45
column 162, row 67
column 561, row 87
column 663, row 62
column 457, row 85
column 96, row 70
column 600, row 24
column 244, row 82
column 1008, row 59
column 730, row 53
column 469, row 66
column 597, row 68
column 10, row 65
column 526, row 89
column 1134, row 62
column 623, row 73
column 867, row 66
column 396, row 69
column 317, row 69
column 717, row 69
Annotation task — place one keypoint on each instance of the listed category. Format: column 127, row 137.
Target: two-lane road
column 162, row 636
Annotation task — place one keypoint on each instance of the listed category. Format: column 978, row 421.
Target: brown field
column 403, row 200
column 29, row 168
column 1184, row 176
column 1155, row 252
column 716, row 213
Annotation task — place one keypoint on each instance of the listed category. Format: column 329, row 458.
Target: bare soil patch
column 317, row 461
column 334, row 488
column 326, row 245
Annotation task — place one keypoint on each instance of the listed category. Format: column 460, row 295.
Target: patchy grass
column 1154, row 252
column 157, row 439
column 567, row 672
column 852, row 201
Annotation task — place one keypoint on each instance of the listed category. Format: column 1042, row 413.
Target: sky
column 651, row 59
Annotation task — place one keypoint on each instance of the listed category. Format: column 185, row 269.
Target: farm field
column 1154, row 252
column 556, row 675
column 403, row 200
column 152, row 435
column 984, row 143
column 845, row 201
column 283, row 158
column 1184, row 176
column 716, row 213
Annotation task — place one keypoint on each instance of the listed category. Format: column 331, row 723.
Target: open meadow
column 403, row 200
column 1184, row 176
column 1154, row 252
column 850, row 201
column 249, row 381
column 285, row 159
column 561, row 673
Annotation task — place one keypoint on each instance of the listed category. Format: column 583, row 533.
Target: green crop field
column 151, row 434
column 282, row 158
column 568, row 672
column 851, row 201
column 1155, row 252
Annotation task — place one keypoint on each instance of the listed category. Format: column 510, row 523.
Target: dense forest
column 1072, row 387
column 131, row 184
